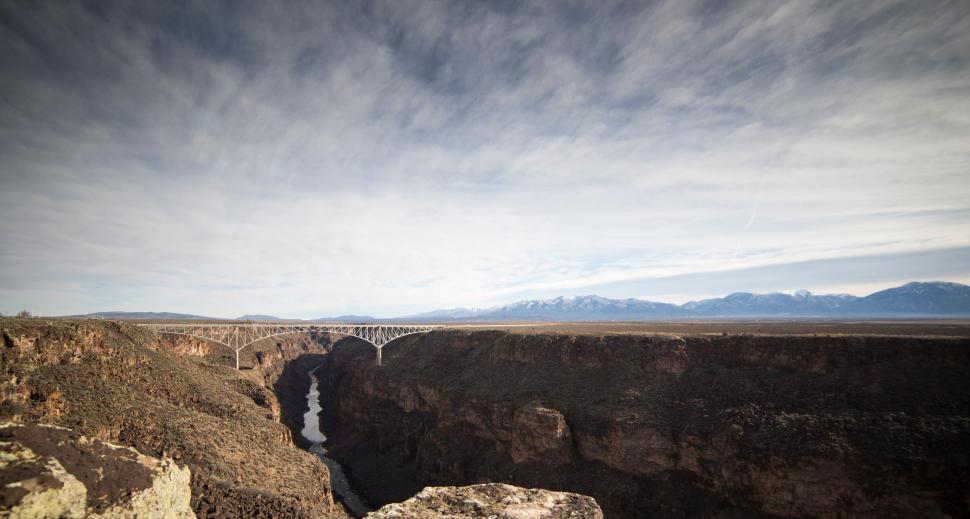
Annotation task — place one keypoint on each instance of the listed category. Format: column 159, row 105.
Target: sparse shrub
column 23, row 313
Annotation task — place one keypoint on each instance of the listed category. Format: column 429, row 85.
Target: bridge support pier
column 378, row 355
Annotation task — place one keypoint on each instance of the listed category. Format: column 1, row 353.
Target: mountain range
column 916, row 299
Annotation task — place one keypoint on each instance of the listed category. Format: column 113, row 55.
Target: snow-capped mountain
column 585, row 308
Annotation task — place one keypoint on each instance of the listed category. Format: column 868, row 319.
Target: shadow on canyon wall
column 726, row 426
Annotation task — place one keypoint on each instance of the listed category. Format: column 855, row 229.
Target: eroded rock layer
column 740, row 426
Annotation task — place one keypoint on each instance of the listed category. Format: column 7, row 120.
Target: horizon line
column 419, row 314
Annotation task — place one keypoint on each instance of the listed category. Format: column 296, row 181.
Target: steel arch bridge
column 238, row 336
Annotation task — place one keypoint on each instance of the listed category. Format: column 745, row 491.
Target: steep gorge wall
column 671, row 426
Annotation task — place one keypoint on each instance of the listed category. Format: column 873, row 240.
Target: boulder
column 48, row 471
column 491, row 500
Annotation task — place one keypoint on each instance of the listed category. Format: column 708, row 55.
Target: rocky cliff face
column 491, row 500
column 49, row 471
column 671, row 426
column 121, row 384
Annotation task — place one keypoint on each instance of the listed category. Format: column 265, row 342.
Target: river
column 338, row 478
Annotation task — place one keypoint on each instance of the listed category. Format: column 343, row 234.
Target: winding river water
column 338, row 478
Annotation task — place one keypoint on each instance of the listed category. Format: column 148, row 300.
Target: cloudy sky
column 312, row 159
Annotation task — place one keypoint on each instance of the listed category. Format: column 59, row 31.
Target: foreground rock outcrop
column 493, row 500
column 665, row 426
column 121, row 384
column 48, row 471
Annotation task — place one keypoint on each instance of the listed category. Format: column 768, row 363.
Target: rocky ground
column 667, row 426
column 48, row 471
column 493, row 500
column 120, row 384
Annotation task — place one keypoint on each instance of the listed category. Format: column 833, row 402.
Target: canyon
column 664, row 424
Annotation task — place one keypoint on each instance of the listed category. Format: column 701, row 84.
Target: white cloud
column 331, row 159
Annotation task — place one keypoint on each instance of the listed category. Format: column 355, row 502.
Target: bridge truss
column 238, row 336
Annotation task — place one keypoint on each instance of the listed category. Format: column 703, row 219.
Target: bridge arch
column 238, row 336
